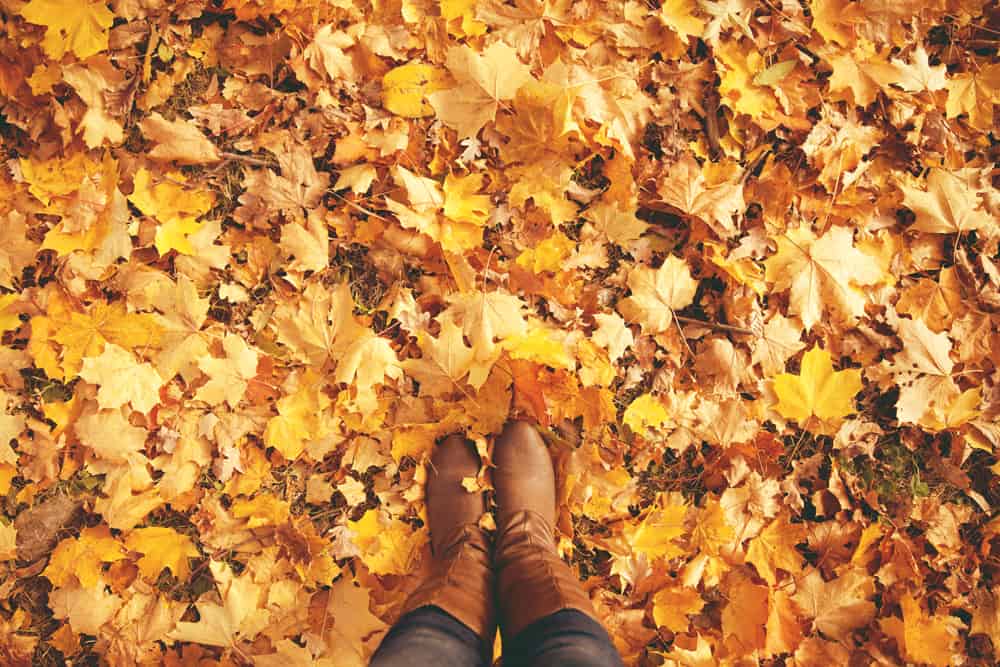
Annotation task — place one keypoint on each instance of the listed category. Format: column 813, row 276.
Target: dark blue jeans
column 431, row 636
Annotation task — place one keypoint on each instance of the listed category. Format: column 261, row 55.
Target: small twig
column 248, row 159
column 712, row 102
column 714, row 325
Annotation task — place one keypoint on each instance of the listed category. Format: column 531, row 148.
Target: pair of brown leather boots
column 518, row 579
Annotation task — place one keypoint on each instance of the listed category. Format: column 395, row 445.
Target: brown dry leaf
column 775, row 548
column 178, row 141
column 743, row 618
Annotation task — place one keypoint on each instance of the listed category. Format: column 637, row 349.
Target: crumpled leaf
column 178, row 141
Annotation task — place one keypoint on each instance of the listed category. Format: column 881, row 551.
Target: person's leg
column 430, row 636
column 567, row 638
column 451, row 613
column 537, row 591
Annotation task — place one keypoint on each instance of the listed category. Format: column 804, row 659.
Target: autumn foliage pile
column 738, row 259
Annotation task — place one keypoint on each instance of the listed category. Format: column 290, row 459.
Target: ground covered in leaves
column 738, row 259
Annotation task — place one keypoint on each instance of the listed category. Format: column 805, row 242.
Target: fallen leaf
column 178, row 141
column 161, row 548
column 818, row 391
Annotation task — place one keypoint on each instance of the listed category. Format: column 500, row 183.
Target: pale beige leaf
column 178, row 141
column 228, row 377
column 612, row 334
column 949, row 205
column 111, row 436
column 837, row 606
column 306, row 243
column 86, row 609
column 781, row 339
column 923, row 350
column 484, row 80
column 822, row 272
column 8, row 542
column 656, row 294
column 121, row 379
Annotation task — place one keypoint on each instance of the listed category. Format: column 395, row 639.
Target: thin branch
column 714, row 325
column 248, row 159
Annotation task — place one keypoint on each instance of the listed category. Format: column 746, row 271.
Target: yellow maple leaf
column 162, row 548
column 711, row 532
column 82, row 557
column 654, row 535
column 545, row 183
column 742, row 63
column 300, row 417
column 461, row 18
column 929, row 639
column 9, row 318
column 405, row 89
column 818, row 391
column 679, row 16
column 387, row 546
column 671, row 607
column 86, row 334
column 549, row 255
column 173, row 235
column 80, row 26
column 743, row 270
column 461, row 203
column 174, row 206
column 644, row 413
column 56, row 177
column 262, row 510
column 542, row 345
column 775, row 548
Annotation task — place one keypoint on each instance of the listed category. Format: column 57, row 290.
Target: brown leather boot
column 532, row 580
column 461, row 580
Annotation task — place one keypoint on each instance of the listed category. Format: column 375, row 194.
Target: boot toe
column 455, row 456
column 524, row 478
